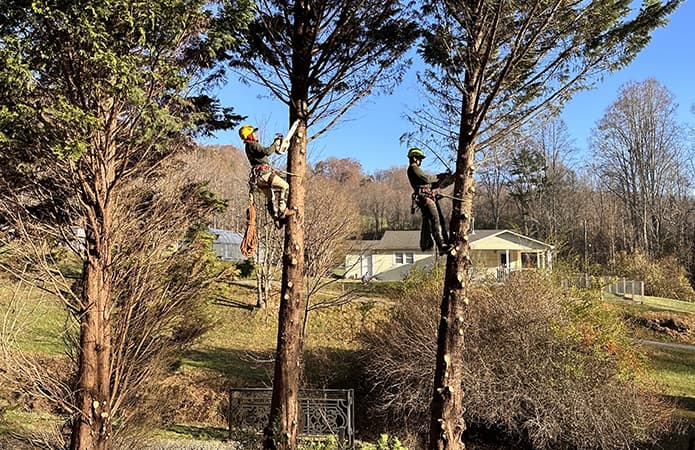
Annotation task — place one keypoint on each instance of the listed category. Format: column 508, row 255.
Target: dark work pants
column 431, row 224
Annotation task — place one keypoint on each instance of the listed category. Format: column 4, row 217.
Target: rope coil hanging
column 250, row 241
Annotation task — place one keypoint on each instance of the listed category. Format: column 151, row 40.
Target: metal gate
column 322, row 412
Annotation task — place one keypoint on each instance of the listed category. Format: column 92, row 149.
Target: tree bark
column 284, row 417
column 283, row 427
column 92, row 427
column 447, row 423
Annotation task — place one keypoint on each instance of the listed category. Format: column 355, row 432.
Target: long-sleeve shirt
column 418, row 178
column 258, row 154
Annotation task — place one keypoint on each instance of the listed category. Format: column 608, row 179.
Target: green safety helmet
column 415, row 153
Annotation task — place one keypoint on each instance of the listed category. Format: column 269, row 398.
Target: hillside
column 238, row 351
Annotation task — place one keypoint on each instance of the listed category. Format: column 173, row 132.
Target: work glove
column 277, row 142
column 445, row 179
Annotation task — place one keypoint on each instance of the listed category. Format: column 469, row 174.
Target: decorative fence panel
column 322, row 412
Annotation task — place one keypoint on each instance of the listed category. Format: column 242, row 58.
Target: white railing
column 630, row 289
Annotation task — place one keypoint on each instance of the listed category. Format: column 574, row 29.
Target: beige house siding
column 482, row 258
column 356, row 266
column 352, row 266
column 487, row 250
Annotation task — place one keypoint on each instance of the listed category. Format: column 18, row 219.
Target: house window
column 529, row 260
column 404, row 258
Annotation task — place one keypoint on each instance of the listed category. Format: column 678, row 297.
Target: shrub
column 663, row 277
column 383, row 443
column 548, row 368
column 247, row 268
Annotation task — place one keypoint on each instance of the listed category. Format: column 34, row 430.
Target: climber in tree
column 426, row 199
column 262, row 175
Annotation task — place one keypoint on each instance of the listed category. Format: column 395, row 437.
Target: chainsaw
column 285, row 143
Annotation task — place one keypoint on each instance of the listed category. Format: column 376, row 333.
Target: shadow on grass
column 250, row 368
column 220, row 301
column 682, row 402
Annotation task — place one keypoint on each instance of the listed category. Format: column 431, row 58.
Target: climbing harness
column 256, row 175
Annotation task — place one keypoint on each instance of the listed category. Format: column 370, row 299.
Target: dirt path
column 686, row 347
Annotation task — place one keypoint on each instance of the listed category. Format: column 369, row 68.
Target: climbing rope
column 250, row 241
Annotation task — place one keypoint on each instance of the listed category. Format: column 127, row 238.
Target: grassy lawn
column 674, row 370
column 32, row 318
column 14, row 419
column 240, row 345
column 652, row 304
column 242, row 342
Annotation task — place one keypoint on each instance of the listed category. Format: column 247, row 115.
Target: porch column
column 549, row 258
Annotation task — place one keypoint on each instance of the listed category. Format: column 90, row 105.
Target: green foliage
column 71, row 70
column 246, row 268
column 97, row 99
column 373, row 35
column 523, row 57
column 663, row 277
column 383, row 443
column 529, row 175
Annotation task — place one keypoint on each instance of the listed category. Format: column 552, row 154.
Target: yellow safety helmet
column 246, row 130
column 415, row 153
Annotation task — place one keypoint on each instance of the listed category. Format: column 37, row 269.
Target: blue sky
column 370, row 132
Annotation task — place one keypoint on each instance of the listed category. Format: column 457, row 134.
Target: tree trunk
column 92, row 429
column 447, row 424
column 282, row 430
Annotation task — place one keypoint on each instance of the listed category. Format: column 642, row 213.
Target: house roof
column 410, row 240
column 509, row 236
column 226, row 236
column 397, row 273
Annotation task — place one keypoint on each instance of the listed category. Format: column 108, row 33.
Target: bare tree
column 558, row 206
column 540, row 180
column 520, row 368
column 395, row 188
column 333, row 218
column 319, row 58
column 639, row 151
column 492, row 178
column 269, row 253
column 224, row 169
column 162, row 274
column 493, row 65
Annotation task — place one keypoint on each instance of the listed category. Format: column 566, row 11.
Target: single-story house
column 494, row 252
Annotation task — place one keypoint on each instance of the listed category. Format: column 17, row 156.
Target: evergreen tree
column 319, row 58
column 96, row 96
column 494, row 64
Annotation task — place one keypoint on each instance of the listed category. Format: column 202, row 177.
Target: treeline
column 630, row 194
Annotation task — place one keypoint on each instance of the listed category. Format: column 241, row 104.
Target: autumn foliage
column 544, row 367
